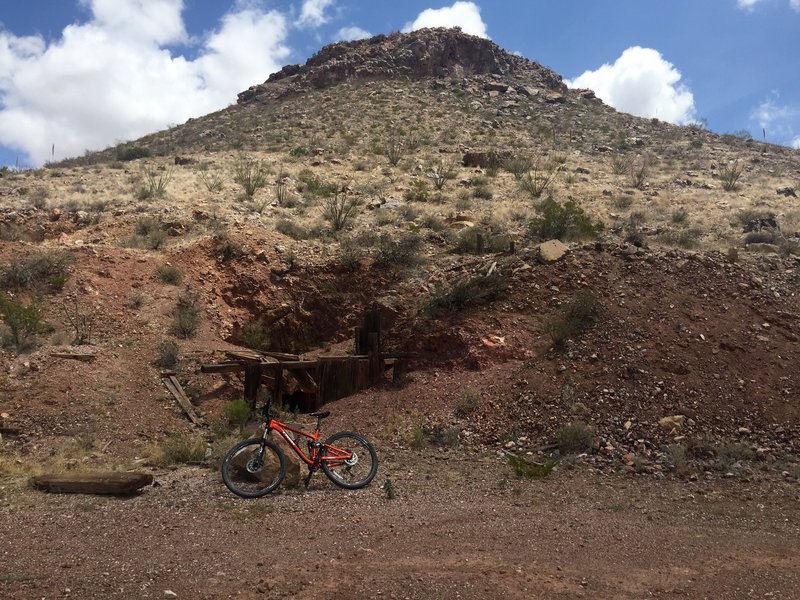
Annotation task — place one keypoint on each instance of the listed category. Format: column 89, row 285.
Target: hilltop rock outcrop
column 435, row 53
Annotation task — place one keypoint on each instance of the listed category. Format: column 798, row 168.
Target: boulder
column 552, row 250
column 672, row 423
column 786, row 191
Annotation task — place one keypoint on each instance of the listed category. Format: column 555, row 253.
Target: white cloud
column 112, row 78
column 466, row 15
column 778, row 120
column 796, row 144
column 348, row 34
column 313, row 13
column 642, row 83
column 749, row 5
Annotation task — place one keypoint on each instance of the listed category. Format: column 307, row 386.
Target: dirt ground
column 459, row 525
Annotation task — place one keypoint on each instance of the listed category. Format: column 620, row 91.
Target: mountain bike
column 256, row 466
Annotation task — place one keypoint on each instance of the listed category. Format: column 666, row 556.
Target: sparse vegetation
column 578, row 315
column 250, row 174
column 566, row 221
column 398, row 253
column 167, row 354
column 180, row 449
column 575, row 438
column 730, row 174
column 469, row 401
column 22, row 322
column 465, row 292
column 169, row 274
column 339, row 211
column 213, row 182
column 536, row 181
column 526, row 469
column 255, row 335
column 152, row 184
column 186, row 318
column 238, row 413
column 132, row 153
column 39, row 271
column 81, row 321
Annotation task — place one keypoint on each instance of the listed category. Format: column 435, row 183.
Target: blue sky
column 85, row 74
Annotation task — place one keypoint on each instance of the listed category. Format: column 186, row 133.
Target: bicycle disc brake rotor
column 254, row 464
column 352, row 460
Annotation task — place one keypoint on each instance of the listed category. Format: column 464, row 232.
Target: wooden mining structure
column 307, row 384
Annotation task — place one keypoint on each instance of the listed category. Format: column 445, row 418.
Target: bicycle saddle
column 321, row 414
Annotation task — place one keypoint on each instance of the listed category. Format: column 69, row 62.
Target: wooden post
column 399, row 370
column 252, row 381
column 277, row 394
column 479, row 243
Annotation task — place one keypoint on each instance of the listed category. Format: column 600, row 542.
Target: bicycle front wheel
column 253, row 468
column 349, row 460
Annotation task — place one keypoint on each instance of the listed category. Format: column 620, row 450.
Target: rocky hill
column 418, row 173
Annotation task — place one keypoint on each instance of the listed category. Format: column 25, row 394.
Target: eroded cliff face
column 435, row 53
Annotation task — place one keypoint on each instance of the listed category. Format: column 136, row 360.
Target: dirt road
column 454, row 529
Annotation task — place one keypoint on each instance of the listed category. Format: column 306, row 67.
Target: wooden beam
column 81, row 356
column 229, row 367
column 111, row 482
column 174, row 386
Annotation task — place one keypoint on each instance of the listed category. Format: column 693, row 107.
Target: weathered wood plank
column 173, row 385
column 110, row 482
column 81, row 356
column 230, row 367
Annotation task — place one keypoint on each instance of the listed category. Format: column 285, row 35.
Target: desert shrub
column 152, row 184
column 169, row 274
column 81, row 320
column 679, row 215
column 180, row 449
column 167, row 354
column 638, row 170
column 620, row 164
column 350, row 254
column 623, row 201
column 38, row 271
column 574, row 438
column 339, row 211
column 439, row 174
column 469, row 242
column 436, row 435
column 566, row 221
column 418, row 191
column 132, row 153
column 255, row 335
column 251, row 174
column 465, row 292
column 22, row 323
column 186, row 317
column 537, row 180
column 213, row 182
column 696, row 143
column 298, row 151
column 395, row 148
column 518, row 166
column 238, row 413
column 468, row 402
column 315, row 186
column 481, row 190
column 685, row 238
column 400, row 252
column 730, row 174
column 289, row 228
column 526, row 469
column 578, row 315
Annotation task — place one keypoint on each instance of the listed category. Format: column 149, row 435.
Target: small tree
column 22, row 322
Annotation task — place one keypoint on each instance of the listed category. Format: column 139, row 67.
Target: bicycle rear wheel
column 349, row 460
column 253, row 468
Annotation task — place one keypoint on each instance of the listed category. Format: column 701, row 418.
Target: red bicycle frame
column 333, row 455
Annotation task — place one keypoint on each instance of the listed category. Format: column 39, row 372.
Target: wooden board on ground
column 116, row 483
column 174, row 386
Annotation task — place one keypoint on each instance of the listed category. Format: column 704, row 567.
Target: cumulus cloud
column 796, row 144
column 643, row 83
column 795, row 4
column 112, row 78
column 313, row 13
column 466, row 15
column 348, row 34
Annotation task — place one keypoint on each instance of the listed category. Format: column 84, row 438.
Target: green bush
column 402, row 252
column 132, row 153
column 38, row 271
column 575, row 438
column 186, row 316
column 22, row 322
column 418, row 192
column 467, row 241
column 167, row 354
column 238, row 413
column 575, row 318
column 314, row 185
column 523, row 468
column 290, row 228
column 169, row 274
column 255, row 335
column 564, row 222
